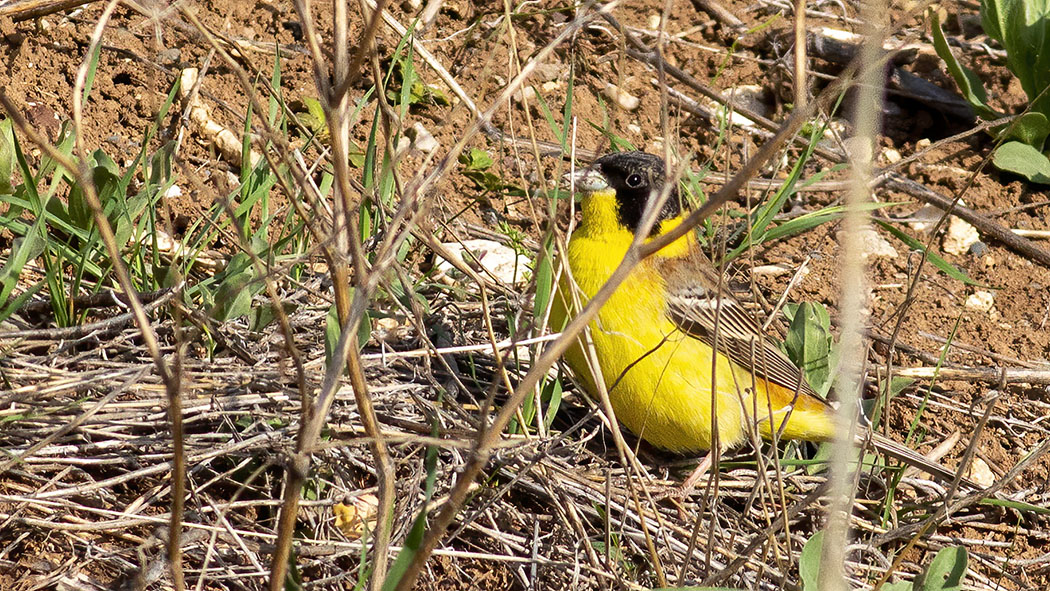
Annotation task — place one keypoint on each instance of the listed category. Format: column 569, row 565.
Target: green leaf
column 1023, row 29
column 414, row 540
column 263, row 316
column 332, row 331
column 7, row 156
column 428, row 94
column 968, row 82
column 108, row 191
column 233, row 299
column 945, row 572
column 79, row 213
column 551, row 396
column 554, row 126
column 310, row 114
column 476, row 159
column 315, row 111
column 1019, row 506
column 942, row 265
column 801, row 224
column 809, row 562
column 1030, row 128
column 809, row 344
column 1024, row 160
column 23, row 250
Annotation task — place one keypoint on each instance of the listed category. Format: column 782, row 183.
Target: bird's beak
column 586, row 179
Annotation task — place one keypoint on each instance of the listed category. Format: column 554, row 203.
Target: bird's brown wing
column 700, row 307
column 697, row 304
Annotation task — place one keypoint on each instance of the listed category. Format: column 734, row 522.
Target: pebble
column 982, row 301
column 959, row 237
column 978, row 249
column 551, row 86
column 874, row 245
column 980, row 472
column 499, row 260
column 525, row 95
column 422, row 139
column 621, row 97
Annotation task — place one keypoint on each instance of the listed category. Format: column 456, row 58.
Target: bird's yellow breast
column 665, row 386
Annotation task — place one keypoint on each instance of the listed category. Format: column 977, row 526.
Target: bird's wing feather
column 694, row 298
column 697, row 305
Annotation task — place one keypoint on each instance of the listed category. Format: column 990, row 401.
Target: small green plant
column 406, row 88
column 1022, row 27
column 52, row 224
column 477, row 166
column 810, row 344
column 945, row 572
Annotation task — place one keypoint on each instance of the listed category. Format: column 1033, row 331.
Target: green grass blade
column 942, row 265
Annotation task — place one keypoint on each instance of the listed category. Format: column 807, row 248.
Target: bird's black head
column 638, row 177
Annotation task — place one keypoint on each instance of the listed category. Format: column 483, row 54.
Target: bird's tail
column 902, row 453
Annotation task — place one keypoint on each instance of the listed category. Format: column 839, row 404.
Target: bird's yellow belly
column 659, row 380
column 662, row 383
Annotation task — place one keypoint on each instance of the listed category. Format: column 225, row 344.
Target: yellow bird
column 653, row 339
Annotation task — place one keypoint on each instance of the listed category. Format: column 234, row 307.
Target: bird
column 686, row 366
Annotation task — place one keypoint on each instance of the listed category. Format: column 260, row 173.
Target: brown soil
column 142, row 56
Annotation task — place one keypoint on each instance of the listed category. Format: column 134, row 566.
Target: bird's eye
column 634, row 181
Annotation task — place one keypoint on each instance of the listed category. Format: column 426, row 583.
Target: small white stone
column 654, row 21
column 525, row 95
column 980, row 472
column 621, row 97
column 552, row 85
column 982, row 301
column 776, row 270
column 403, row 145
column 165, row 243
column 391, row 329
column 634, row 128
column 724, row 111
column 959, row 237
column 874, row 245
column 489, row 257
column 892, row 156
column 923, row 143
column 422, row 140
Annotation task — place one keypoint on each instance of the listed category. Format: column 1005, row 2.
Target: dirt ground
column 143, row 54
